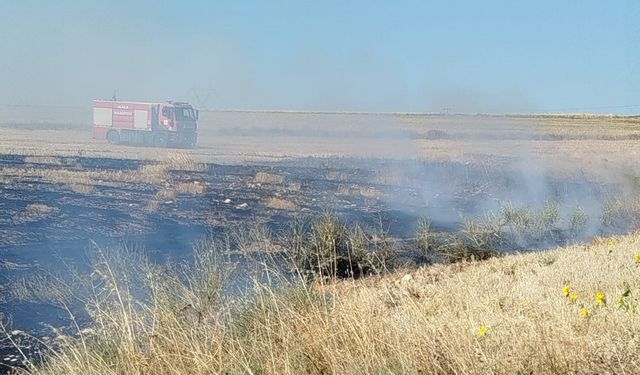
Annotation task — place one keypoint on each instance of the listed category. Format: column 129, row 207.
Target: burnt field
column 437, row 189
column 56, row 210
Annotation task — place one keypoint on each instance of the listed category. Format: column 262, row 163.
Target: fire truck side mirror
column 197, row 114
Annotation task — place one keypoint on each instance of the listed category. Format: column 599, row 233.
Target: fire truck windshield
column 185, row 114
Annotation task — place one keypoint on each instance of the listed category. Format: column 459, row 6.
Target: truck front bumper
column 183, row 138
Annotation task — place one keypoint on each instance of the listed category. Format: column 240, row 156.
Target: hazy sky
column 467, row 56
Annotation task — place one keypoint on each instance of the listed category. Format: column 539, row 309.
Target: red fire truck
column 158, row 124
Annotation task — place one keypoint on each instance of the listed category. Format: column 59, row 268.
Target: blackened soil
column 382, row 194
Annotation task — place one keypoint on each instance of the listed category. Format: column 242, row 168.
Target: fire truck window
column 184, row 114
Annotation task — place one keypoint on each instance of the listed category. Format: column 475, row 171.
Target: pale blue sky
column 463, row 56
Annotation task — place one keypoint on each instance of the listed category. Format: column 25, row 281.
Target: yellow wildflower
column 566, row 290
column 584, row 312
column 574, row 296
column 600, row 298
column 610, row 244
column 619, row 300
column 638, row 258
column 483, row 330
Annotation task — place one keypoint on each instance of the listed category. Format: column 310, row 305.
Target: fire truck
column 168, row 124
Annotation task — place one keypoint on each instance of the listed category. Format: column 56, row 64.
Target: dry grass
column 169, row 193
column 336, row 175
column 150, row 174
column 160, row 171
column 153, row 205
column 164, row 195
column 294, row 186
column 81, row 188
column 327, row 247
column 391, row 177
column 357, row 190
column 182, row 161
column 570, row 310
column 34, row 212
column 255, row 239
column 280, row 204
column 52, row 160
column 268, row 178
column 85, row 181
column 193, row 187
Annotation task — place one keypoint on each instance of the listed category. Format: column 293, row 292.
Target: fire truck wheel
column 160, row 140
column 113, row 137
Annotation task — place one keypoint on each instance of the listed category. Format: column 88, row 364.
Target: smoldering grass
column 620, row 213
column 328, row 247
column 325, row 245
column 487, row 231
column 578, row 221
column 515, row 227
column 426, row 240
column 178, row 319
